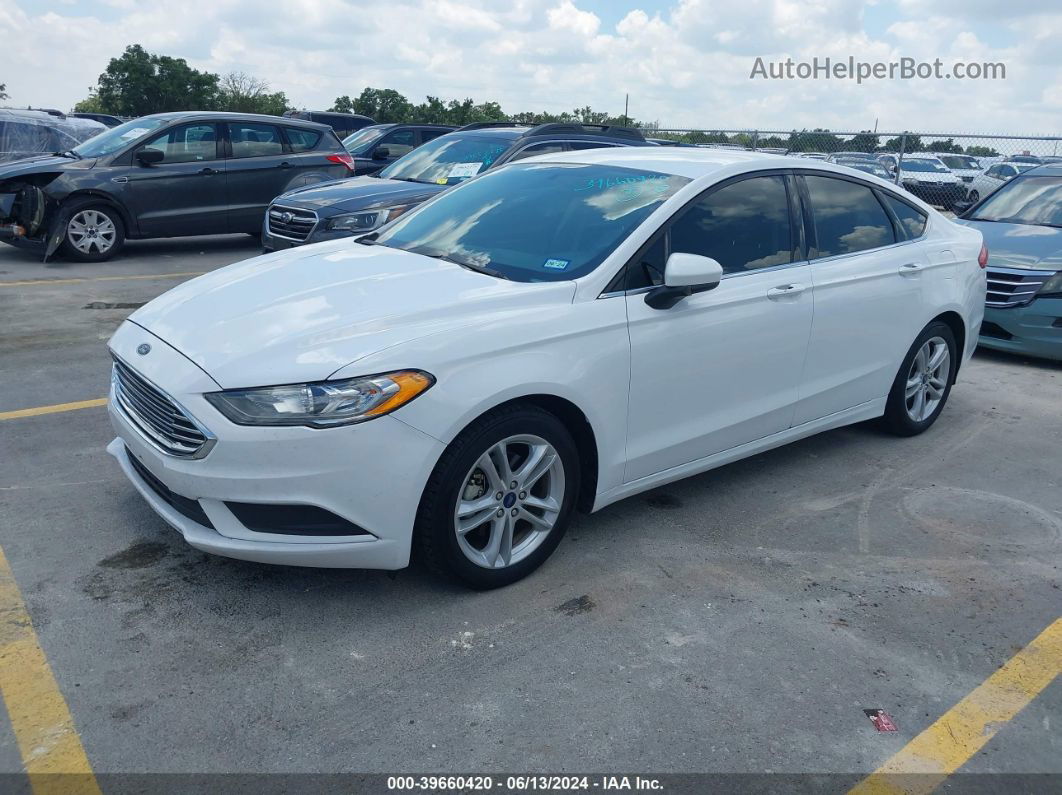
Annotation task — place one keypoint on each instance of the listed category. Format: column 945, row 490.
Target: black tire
column 435, row 541
column 973, row 197
column 72, row 211
column 897, row 420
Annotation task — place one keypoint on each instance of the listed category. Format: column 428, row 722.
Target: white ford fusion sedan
column 562, row 332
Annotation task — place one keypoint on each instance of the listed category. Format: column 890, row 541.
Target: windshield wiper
column 68, row 153
column 470, row 266
column 1016, row 220
column 368, row 240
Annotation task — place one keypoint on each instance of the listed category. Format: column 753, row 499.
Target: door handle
column 785, row 291
column 285, row 164
column 911, row 268
column 208, row 171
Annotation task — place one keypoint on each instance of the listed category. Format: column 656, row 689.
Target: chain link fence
column 942, row 169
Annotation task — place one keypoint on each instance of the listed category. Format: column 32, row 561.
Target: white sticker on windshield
column 136, row 132
column 464, row 170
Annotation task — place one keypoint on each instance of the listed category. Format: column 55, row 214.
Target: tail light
column 982, row 258
column 343, row 158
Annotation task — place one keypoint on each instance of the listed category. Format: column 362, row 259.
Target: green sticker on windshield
column 556, row 264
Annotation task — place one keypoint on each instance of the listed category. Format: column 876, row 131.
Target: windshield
column 534, row 222
column 448, row 160
column 1028, row 200
column 360, row 142
column 960, row 161
column 117, row 137
column 924, row 165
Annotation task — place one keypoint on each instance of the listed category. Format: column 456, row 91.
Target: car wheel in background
column 973, row 196
column 94, row 231
column 500, row 498
column 922, row 385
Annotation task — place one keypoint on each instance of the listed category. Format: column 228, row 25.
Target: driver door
column 185, row 193
column 720, row 368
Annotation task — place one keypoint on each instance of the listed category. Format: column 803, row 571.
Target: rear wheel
column 500, row 498
column 973, row 197
column 923, row 384
column 94, row 232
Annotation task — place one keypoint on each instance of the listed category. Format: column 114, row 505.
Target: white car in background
column 992, row 177
column 965, row 167
column 931, row 181
column 563, row 331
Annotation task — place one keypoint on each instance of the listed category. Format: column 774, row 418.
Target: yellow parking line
column 923, row 764
column 55, row 409
column 44, row 282
column 47, row 740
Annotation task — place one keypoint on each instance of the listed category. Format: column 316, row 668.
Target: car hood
column 358, row 193
column 1020, row 245
column 928, row 176
column 302, row 314
column 36, row 164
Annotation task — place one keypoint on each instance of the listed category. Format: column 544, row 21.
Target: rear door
column 259, row 169
column 186, row 193
column 308, row 158
column 868, row 296
column 720, row 368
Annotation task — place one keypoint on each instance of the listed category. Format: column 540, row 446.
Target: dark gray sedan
column 165, row 175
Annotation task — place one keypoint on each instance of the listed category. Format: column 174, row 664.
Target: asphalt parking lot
column 738, row 621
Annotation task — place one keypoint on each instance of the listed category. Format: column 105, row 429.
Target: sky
column 684, row 63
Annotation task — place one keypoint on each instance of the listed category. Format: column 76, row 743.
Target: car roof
column 692, row 163
column 219, row 115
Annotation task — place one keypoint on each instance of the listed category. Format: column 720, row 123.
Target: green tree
column 343, row 104
column 242, row 93
column 139, row 82
column 3, row 91
column 90, row 104
column 981, row 151
column 866, row 141
column 944, row 146
column 817, row 140
column 912, row 143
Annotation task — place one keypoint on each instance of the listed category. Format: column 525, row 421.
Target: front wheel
column 973, row 197
column 94, row 232
column 500, row 498
column 923, row 384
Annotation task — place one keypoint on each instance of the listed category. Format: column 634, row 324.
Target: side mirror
column 961, row 207
column 149, row 157
column 684, row 274
column 381, row 153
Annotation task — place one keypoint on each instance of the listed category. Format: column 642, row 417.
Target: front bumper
column 318, row 234
column 940, row 195
column 1033, row 330
column 371, row 474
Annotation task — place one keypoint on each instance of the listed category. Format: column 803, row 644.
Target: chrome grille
column 168, row 426
column 290, row 223
column 1013, row 286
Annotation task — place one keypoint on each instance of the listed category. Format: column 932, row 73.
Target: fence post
column 755, row 140
column 899, row 159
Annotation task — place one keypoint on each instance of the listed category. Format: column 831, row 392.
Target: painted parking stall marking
column 923, row 764
column 48, row 742
column 53, row 409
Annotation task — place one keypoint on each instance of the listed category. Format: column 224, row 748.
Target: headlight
column 366, row 220
column 1052, row 285
column 324, row 403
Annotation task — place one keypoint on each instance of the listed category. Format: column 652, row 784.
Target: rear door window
column 912, row 220
column 254, row 140
column 188, row 144
column 301, row 140
column 848, row 217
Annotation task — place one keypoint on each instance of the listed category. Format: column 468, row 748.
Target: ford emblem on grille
column 143, row 349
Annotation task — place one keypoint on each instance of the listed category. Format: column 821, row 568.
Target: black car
column 342, row 123
column 379, row 145
column 359, row 205
column 165, row 175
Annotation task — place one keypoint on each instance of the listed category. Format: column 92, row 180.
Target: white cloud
column 685, row 65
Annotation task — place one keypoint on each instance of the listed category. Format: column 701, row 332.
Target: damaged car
column 164, row 175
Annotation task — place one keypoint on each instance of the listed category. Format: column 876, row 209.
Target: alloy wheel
column 91, row 231
column 927, row 380
column 509, row 501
